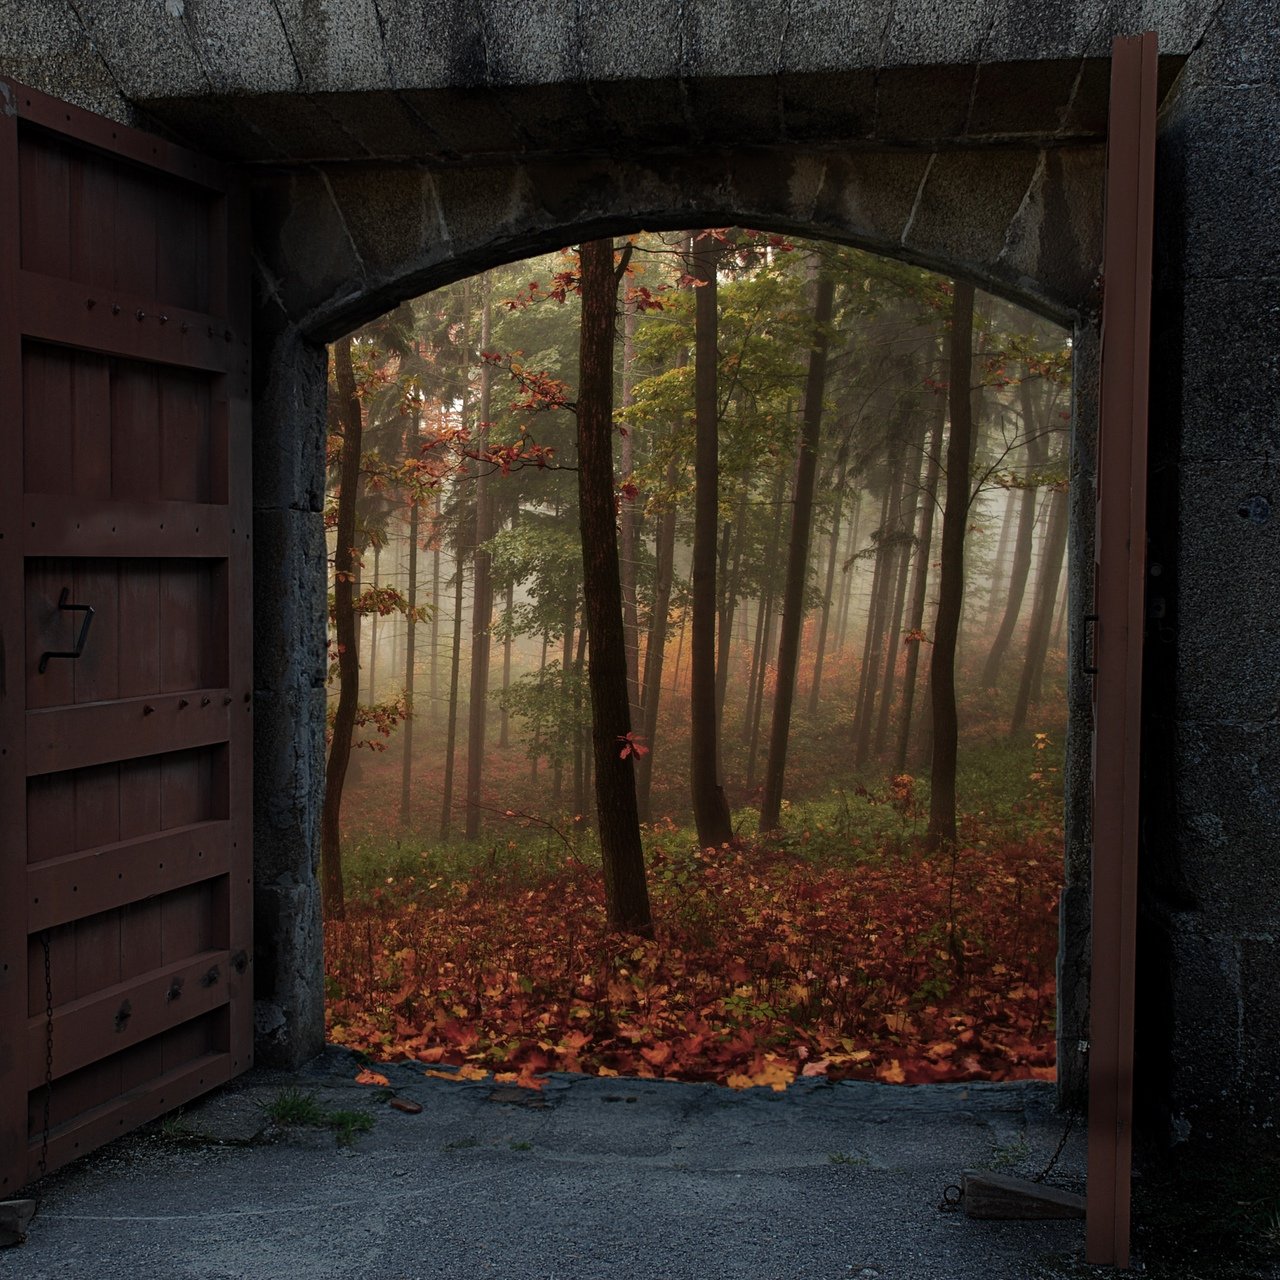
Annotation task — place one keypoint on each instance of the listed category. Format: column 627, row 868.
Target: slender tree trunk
column 655, row 649
column 878, row 608
column 626, row 893
column 566, row 666
column 411, row 653
column 942, row 687
column 373, row 630
column 1030, row 686
column 451, row 732
column 1001, row 561
column 1036, row 451
column 629, row 521
column 798, row 555
column 920, row 582
column 434, row 686
column 764, row 628
column 345, row 562
column 847, row 572
column 504, row 737
column 536, row 746
column 710, row 807
column 481, row 587
column 893, row 640
column 815, row 686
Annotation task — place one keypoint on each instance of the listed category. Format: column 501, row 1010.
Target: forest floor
column 843, row 949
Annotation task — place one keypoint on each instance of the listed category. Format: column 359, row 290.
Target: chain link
column 48, row 1051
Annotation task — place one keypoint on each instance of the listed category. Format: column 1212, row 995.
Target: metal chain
column 1062, row 1142
column 48, row 1051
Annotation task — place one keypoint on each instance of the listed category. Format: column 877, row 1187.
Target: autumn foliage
column 897, row 966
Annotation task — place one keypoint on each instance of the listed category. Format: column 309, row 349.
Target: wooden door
column 125, row 772
column 1120, row 566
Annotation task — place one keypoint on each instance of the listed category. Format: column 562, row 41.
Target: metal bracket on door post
column 87, row 610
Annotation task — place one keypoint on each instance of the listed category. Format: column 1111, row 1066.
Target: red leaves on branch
column 632, row 742
column 767, row 967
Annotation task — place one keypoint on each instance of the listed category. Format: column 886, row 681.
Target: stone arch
column 337, row 248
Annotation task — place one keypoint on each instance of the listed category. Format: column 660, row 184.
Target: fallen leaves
column 767, row 968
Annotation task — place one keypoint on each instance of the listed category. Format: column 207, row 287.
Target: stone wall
column 1208, row 1006
column 394, row 146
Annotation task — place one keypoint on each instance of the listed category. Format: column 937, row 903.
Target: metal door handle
column 87, row 610
column 1087, row 667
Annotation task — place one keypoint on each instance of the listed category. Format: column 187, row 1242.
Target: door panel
column 125, row 849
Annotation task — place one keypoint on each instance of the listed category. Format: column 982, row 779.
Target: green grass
column 293, row 1107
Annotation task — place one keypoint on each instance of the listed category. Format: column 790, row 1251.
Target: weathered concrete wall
column 394, row 146
column 1211, row 1042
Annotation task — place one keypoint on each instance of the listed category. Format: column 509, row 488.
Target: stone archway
column 335, row 249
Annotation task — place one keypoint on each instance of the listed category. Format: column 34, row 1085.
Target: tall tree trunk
column 1029, row 688
column 893, row 640
column 655, row 649
column 798, row 554
column 847, row 571
column 481, row 587
column 833, row 554
column 1037, row 448
column 629, row 521
column 345, row 565
column 411, row 653
column 373, row 628
column 451, row 731
column 878, row 606
column 434, row 686
column 764, row 630
column 710, row 807
column 626, row 893
column 566, row 665
column 955, row 517
column 1001, row 561
column 920, row 582
column 504, row 736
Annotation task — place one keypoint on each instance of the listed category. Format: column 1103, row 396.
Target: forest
column 696, row 701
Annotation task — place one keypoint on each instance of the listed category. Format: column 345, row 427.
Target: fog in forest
column 855, row 408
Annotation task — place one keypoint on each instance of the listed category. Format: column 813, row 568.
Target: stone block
column 288, row 742
column 1053, row 243
column 45, row 46
column 730, row 110
column 731, row 37
column 1205, row 1032
column 1017, row 99
column 470, row 122
column 289, row 999
column 635, row 40
column 305, row 255
column 1231, row 182
column 833, row 35
column 336, row 44
column 380, row 124
column 867, row 196
column 1228, row 582
column 1227, row 827
column 289, row 417
column 935, row 33
column 242, row 45
column 836, row 104
column 1227, row 353
column 1238, row 46
column 966, row 204
column 923, row 104
column 1260, row 1010
column 151, row 49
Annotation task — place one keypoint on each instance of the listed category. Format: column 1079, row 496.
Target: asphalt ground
column 585, row 1178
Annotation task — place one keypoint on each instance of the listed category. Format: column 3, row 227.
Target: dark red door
column 125, row 733
column 1120, row 555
